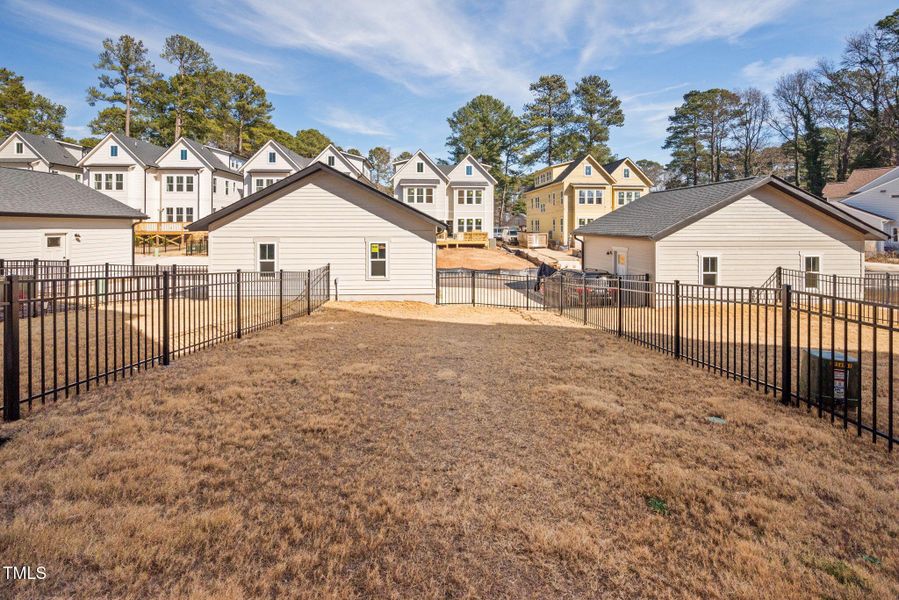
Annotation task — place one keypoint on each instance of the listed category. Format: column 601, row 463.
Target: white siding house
column 459, row 195
column 378, row 248
column 732, row 233
column 880, row 198
column 52, row 217
column 37, row 153
column 270, row 164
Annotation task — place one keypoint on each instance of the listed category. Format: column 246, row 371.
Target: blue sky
column 389, row 73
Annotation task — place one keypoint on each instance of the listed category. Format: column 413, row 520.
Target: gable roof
column 441, row 170
column 53, row 152
column 315, row 167
column 612, row 166
column 890, row 175
column 24, row 193
column 143, row 152
column 207, row 156
column 298, row 161
column 343, row 157
column 858, row 178
column 572, row 165
column 659, row 214
column 484, row 170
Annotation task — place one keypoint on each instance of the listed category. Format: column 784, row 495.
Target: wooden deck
column 469, row 239
column 165, row 233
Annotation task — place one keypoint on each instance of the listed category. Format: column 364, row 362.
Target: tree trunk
column 127, row 109
column 240, row 138
column 177, row 125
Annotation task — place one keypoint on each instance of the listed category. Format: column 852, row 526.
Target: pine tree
column 23, row 110
column 130, row 73
column 186, row 91
column 547, row 118
column 379, row 157
column 598, row 110
column 310, row 142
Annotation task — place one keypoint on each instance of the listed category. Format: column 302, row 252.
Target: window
column 107, row 181
column 470, row 224
column 420, row 195
column 98, row 181
column 214, row 184
column 179, row 214
column 179, row 183
column 189, row 214
column 169, row 183
column 227, row 186
column 461, row 225
column 183, row 154
column 189, row 183
column 259, row 185
column 468, row 170
column 120, row 181
column 113, row 151
column 377, row 260
column 330, row 161
column 811, row 265
column 419, row 167
column 896, row 234
column 627, row 173
column 709, row 270
column 477, row 225
column 588, row 170
column 54, row 241
column 266, row 261
column 169, row 215
column 582, row 222
column 636, row 195
column 20, row 148
column 410, row 195
column 589, row 197
column 78, row 177
column 271, row 157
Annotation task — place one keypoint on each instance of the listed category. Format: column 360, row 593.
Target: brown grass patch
column 412, row 451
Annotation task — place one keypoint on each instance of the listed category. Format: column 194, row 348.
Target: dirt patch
column 479, row 259
column 400, row 450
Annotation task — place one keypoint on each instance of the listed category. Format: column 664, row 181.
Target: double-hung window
column 107, row 181
column 179, row 183
column 330, row 161
column 188, row 183
column 419, row 167
column 120, row 181
column 708, row 265
column 266, row 258
column 478, row 225
column 20, row 148
column 460, row 225
column 170, row 215
column 98, row 181
column 627, row 173
column 588, row 170
column 468, row 170
column 271, row 157
column 811, row 266
column 377, row 260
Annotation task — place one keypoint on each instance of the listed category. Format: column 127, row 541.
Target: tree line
column 816, row 126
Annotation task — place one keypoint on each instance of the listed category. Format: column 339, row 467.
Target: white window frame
column 588, row 170
column 98, row 181
column 368, row 259
column 113, row 151
column 803, row 256
column 702, row 271
column 420, row 167
column 119, row 182
column 266, row 242
column 469, row 170
column 272, row 157
column 331, row 162
column 188, row 183
column 627, row 173
column 20, row 148
column 107, row 181
column 183, row 154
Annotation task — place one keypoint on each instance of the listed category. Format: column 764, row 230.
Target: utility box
column 832, row 377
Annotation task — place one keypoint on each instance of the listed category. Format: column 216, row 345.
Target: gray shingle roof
column 658, row 214
column 209, row 156
column 50, row 150
column 301, row 161
column 35, row 193
column 658, row 211
column 611, row 166
column 146, row 152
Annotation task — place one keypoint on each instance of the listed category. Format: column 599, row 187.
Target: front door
column 54, row 246
column 620, row 261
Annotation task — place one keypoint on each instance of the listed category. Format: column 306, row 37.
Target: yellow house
column 569, row 195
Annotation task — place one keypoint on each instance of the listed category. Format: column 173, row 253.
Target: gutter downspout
column 583, row 249
column 133, row 225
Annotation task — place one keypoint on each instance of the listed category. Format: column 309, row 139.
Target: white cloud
column 345, row 120
column 764, row 74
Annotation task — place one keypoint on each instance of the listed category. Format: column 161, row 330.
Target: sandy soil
column 479, row 259
column 404, row 450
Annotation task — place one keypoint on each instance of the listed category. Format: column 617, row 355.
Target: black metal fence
column 63, row 336
column 832, row 356
column 62, row 269
column 880, row 288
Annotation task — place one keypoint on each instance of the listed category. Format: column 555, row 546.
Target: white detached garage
column 53, row 217
column 730, row 233
column 378, row 248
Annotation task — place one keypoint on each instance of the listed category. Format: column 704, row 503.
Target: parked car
column 498, row 233
column 510, row 236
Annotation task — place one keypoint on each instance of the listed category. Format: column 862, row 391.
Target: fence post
column 676, row 318
column 618, row 278
column 308, row 292
column 561, row 294
column 527, row 291
column 11, row 358
column 2, row 266
column 436, row 286
column 281, row 297
column 780, row 277
column 889, row 298
column 786, row 376
column 166, row 348
column 473, row 288
column 328, row 281
column 584, row 279
column 238, row 305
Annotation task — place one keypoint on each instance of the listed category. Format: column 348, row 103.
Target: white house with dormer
column 38, row 153
column 460, row 195
column 345, row 162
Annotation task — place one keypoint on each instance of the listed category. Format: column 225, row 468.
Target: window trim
column 258, row 255
column 469, row 170
column 702, row 256
column 183, row 154
column 588, row 170
column 803, row 256
column 368, row 259
column 113, row 150
column 272, row 157
column 20, row 148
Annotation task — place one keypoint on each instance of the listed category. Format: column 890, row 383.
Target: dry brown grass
column 409, row 451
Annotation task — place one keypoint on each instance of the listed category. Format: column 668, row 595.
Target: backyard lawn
column 404, row 450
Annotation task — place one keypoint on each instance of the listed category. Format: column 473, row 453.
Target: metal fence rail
column 61, row 337
column 833, row 356
column 879, row 288
column 62, row 269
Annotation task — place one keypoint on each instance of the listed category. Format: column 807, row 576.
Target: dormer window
column 588, row 170
column 627, row 172
column 183, row 154
column 468, row 170
column 271, row 157
column 330, row 161
column 113, row 151
column 419, row 167
column 20, row 148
